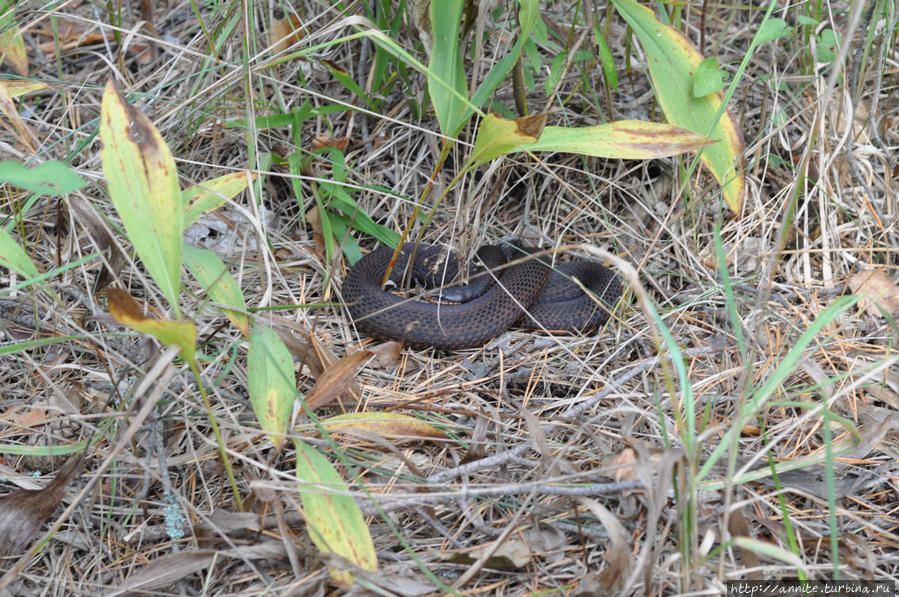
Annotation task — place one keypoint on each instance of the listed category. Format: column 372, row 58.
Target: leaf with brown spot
column 387, row 424
column 498, row 136
column 24, row 511
column 272, row 383
column 335, row 522
column 285, row 33
column 143, row 185
column 336, row 379
column 878, row 291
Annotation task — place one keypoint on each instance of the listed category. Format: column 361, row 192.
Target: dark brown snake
column 528, row 292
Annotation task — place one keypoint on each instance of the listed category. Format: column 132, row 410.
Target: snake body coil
column 549, row 298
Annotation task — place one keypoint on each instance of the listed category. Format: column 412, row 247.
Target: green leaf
column 605, row 57
column 143, row 186
column 773, row 29
column 528, row 19
column 14, row 258
column 445, row 71
column 50, row 178
column 673, row 62
column 709, row 78
column 213, row 276
column 335, row 522
column 826, row 46
column 271, row 381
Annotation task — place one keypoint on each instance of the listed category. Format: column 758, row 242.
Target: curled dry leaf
column 878, row 291
column 24, row 511
column 336, row 379
column 618, row 556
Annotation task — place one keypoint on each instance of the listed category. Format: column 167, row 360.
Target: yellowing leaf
column 12, row 48
column 625, row 139
column 335, row 522
column 498, row 136
column 180, row 333
column 387, row 424
column 211, row 194
column 143, row 186
column 17, row 88
column 21, row 130
column 213, row 276
column 271, row 380
column 673, row 62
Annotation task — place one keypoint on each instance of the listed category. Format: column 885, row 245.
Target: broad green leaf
column 143, row 186
column 773, row 29
column 183, row 334
column 498, row 136
column 335, row 522
column 624, row 139
column 826, row 47
column 14, row 258
column 709, row 78
column 50, row 178
column 388, row 424
column 212, row 194
column 673, row 62
column 213, row 276
column 445, row 71
column 271, row 381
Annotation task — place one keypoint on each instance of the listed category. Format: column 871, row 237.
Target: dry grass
column 567, row 449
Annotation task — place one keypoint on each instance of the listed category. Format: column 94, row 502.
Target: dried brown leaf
column 171, row 568
column 618, row 556
column 878, row 291
column 24, row 511
column 336, row 379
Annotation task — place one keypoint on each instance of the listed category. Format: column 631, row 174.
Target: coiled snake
column 527, row 291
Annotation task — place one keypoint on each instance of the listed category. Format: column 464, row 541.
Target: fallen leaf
column 878, row 291
column 386, row 424
column 171, row 568
column 285, row 33
column 24, row 511
column 624, row 461
column 336, row 379
column 618, row 556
